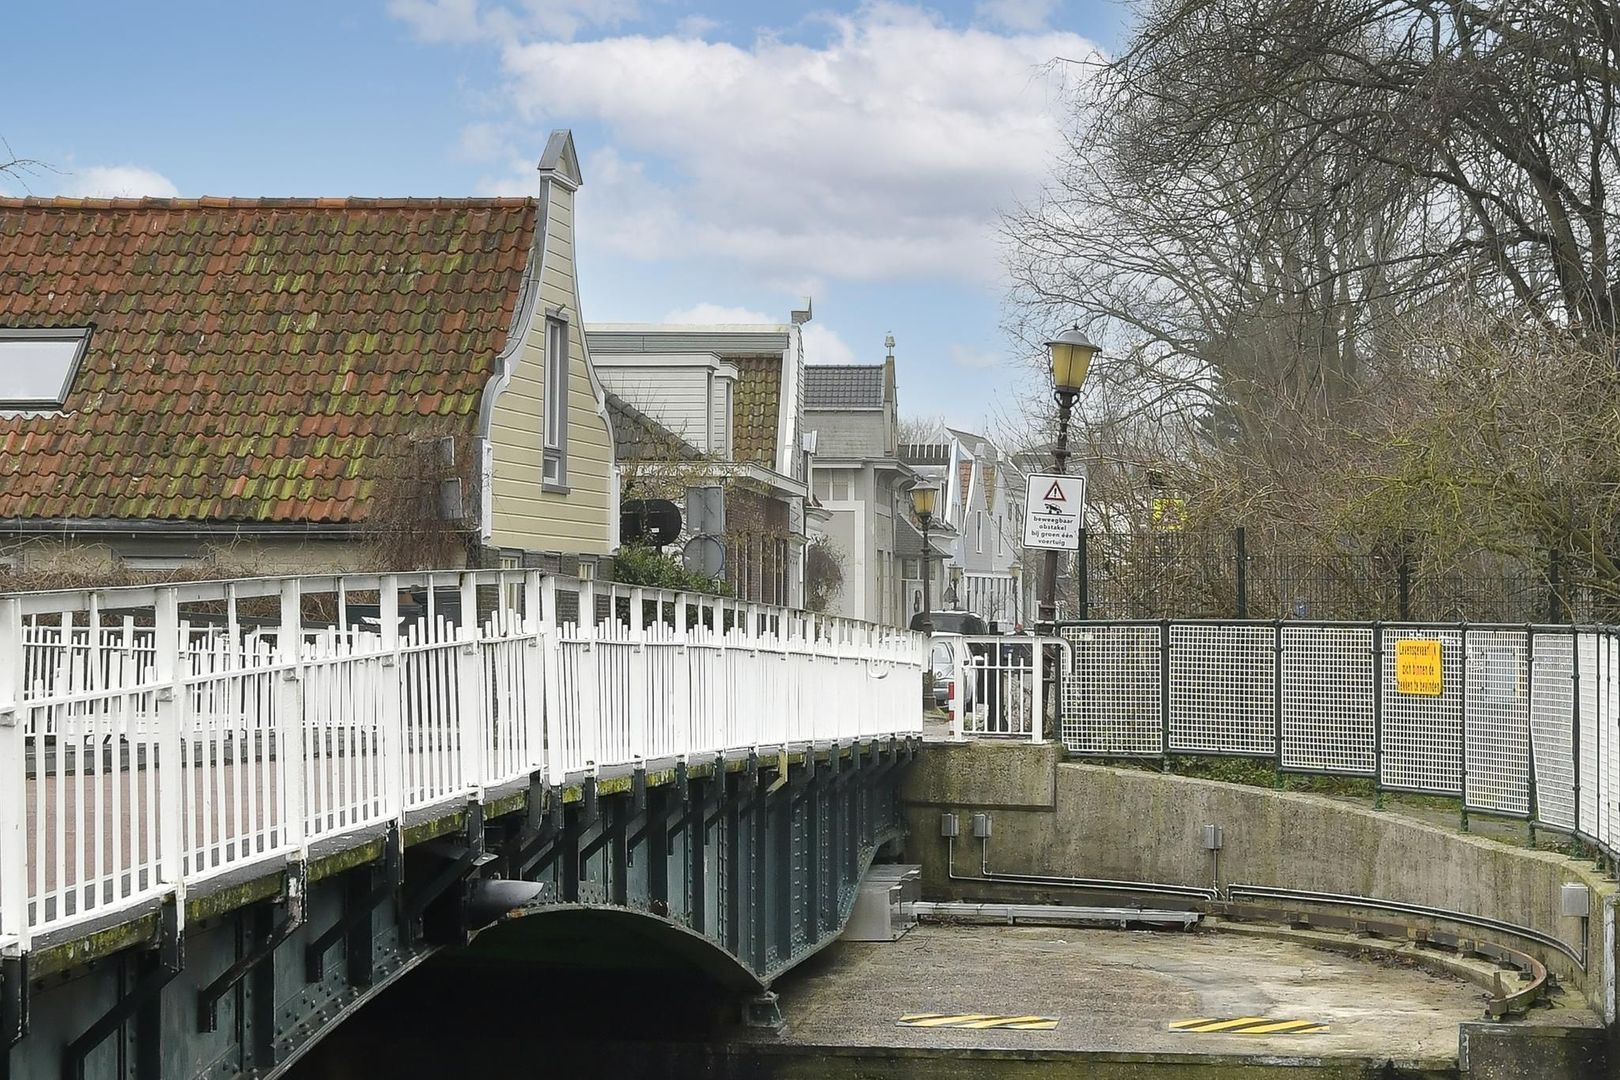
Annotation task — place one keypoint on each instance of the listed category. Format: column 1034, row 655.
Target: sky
column 738, row 157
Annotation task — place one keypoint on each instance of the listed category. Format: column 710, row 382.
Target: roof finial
column 888, row 343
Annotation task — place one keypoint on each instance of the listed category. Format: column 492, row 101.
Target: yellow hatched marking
column 1003, row 1021
column 1181, row 1025
column 1286, row 1027
column 1227, row 1025
column 947, row 1021
column 1034, row 1025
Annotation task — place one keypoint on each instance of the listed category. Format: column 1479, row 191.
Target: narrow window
column 37, row 366
column 555, row 393
column 978, row 524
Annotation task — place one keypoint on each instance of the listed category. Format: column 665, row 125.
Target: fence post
column 290, row 735
column 1575, row 721
column 393, row 697
column 470, row 694
column 1164, row 695
column 1378, row 714
column 13, row 779
column 1240, row 541
column 1277, row 697
column 1037, row 659
column 1463, row 756
column 1403, row 587
column 172, row 778
column 1082, row 573
column 1555, row 606
column 534, row 673
column 1530, row 728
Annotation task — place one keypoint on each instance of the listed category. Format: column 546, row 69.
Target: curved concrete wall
column 1076, row 820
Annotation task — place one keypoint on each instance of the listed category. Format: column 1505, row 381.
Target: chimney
column 802, row 315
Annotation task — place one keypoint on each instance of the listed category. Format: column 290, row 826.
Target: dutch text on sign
column 1417, row 667
column 1054, row 506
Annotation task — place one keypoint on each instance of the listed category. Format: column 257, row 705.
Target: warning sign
column 1417, row 667
column 1055, row 505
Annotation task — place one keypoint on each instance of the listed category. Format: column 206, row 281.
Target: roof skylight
column 37, row 365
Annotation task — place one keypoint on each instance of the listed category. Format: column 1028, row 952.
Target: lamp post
column 922, row 504
column 1071, row 353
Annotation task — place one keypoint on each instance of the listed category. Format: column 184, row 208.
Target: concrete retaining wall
column 1073, row 820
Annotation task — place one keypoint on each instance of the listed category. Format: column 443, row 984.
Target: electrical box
column 949, row 826
column 1213, row 837
column 1575, row 900
column 981, row 826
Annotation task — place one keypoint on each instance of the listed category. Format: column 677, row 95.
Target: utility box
column 1213, row 837
column 949, row 826
column 981, row 826
column 1575, row 900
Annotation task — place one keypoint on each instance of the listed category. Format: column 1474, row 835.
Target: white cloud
column 962, row 356
column 461, row 21
column 1016, row 14
column 822, row 345
column 707, row 314
column 117, row 182
column 845, row 159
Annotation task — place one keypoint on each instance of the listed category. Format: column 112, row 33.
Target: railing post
column 550, row 654
column 13, row 780
column 534, row 671
column 590, row 658
column 172, row 778
column 393, row 764
column 1037, row 660
column 470, row 695
column 1240, row 543
column 291, row 751
column 640, row 660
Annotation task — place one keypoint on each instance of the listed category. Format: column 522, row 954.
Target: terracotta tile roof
column 756, row 408
column 252, row 360
column 964, row 470
column 638, row 437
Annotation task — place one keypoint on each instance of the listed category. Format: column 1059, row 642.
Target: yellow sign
column 1168, row 511
column 1417, row 667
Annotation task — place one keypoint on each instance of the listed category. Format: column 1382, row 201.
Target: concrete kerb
column 1072, row 819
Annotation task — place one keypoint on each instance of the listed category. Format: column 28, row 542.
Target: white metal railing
column 1002, row 684
column 153, row 737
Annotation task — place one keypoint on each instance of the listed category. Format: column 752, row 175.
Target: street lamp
column 922, row 504
column 1071, row 353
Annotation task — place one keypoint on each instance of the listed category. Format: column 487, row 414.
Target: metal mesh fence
column 1421, row 740
column 1223, row 692
column 1552, row 720
column 1328, row 723
column 1586, row 660
column 1497, row 721
column 1111, row 704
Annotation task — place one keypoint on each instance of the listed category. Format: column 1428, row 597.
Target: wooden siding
column 525, row 515
column 676, row 397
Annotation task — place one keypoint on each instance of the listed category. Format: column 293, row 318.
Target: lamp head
column 1071, row 353
column 923, row 497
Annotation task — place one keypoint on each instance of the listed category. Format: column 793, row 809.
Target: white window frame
column 978, row 527
column 554, row 404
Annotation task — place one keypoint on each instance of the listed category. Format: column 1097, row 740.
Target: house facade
column 859, row 480
column 724, row 405
column 299, row 385
column 982, row 499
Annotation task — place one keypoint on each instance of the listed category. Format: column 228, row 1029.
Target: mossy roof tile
column 259, row 338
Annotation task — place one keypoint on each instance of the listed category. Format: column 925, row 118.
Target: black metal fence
column 1170, row 575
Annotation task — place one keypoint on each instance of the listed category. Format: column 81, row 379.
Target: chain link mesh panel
column 1497, row 742
column 1608, row 712
column 1327, row 699
column 1422, row 733
column 1111, row 699
column 1586, row 666
column 1552, row 707
column 1223, row 689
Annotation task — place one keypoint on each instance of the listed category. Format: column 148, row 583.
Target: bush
column 636, row 565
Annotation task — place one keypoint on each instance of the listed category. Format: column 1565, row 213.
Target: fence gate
column 1007, row 685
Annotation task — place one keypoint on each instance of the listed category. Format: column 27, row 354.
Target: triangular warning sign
column 1056, row 494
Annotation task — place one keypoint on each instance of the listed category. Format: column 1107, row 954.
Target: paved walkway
column 1119, row 991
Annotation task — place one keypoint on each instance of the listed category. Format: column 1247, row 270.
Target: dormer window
column 37, row 366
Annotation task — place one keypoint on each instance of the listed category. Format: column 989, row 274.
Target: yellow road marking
column 1248, row 1025
column 979, row 1021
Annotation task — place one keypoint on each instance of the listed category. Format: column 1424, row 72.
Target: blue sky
column 737, row 156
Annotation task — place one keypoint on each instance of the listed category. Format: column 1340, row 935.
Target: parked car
column 948, row 660
column 952, row 622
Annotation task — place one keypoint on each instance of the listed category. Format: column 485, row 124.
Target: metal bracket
column 393, row 877
column 171, row 960
column 453, row 871
column 638, row 791
column 294, row 900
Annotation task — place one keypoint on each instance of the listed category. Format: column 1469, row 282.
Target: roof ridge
column 843, row 367
column 209, row 202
